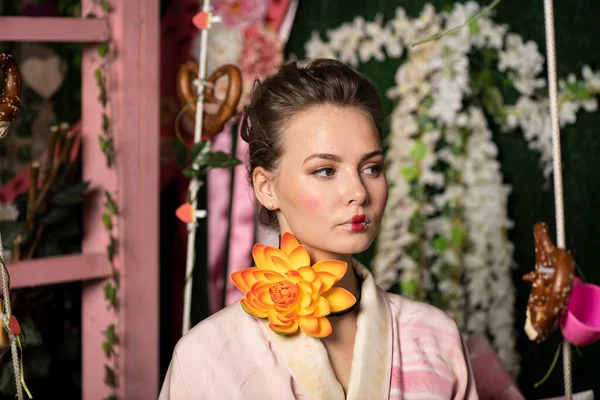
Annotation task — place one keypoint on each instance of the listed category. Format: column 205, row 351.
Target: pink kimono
column 403, row 350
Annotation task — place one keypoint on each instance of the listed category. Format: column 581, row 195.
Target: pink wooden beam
column 60, row 269
column 53, row 29
column 134, row 111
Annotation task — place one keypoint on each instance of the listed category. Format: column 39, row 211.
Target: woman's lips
column 357, row 223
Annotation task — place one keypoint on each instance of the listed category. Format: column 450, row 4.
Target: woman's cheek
column 311, row 201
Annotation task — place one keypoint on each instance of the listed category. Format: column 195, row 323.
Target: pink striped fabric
column 429, row 359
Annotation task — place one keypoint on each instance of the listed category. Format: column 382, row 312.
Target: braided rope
column 557, row 165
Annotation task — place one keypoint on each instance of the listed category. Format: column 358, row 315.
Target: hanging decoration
column 444, row 236
column 556, row 296
column 205, row 125
column 10, row 330
column 10, row 102
column 213, row 123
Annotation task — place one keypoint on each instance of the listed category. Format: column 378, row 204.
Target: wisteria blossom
column 444, row 237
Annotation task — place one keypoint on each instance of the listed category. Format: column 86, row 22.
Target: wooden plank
column 53, row 29
column 59, row 269
column 139, row 23
column 134, row 112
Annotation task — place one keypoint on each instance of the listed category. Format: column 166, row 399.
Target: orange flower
column 284, row 288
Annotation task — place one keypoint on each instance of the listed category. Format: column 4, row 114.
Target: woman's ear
column 264, row 188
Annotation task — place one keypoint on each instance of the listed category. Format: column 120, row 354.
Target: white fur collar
column 370, row 375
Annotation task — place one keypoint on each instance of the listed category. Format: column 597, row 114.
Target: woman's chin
column 355, row 244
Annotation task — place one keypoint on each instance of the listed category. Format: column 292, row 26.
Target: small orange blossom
column 284, row 288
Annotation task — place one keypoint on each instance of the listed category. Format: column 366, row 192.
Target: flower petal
column 289, row 243
column 280, row 265
column 322, row 309
column 324, row 328
column 252, row 310
column 264, row 275
column 339, row 299
column 308, row 324
column 279, row 324
column 299, row 258
column 293, row 276
column 304, row 302
column 265, row 298
column 327, row 280
column 244, row 279
column 271, row 252
column 307, row 273
column 258, row 254
column 334, row 267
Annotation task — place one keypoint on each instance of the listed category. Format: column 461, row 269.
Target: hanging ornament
column 188, row 214
column 551, row 286
column 10, row 330
column 10, row 98
column 187, row 89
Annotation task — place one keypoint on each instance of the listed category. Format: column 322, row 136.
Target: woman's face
column 330, row 188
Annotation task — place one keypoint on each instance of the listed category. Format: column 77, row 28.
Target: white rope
column 6, row 314
column 557, row 164
column 195, row 184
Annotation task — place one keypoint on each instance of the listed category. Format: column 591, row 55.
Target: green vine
column 111, row 209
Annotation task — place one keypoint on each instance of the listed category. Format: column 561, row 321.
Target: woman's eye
column 373, row 169
column 324, row 172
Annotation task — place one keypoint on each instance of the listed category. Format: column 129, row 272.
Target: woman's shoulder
column 213, row 334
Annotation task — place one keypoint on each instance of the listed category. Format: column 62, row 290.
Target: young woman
column 317, row 169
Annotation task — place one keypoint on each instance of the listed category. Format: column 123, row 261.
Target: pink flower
column 262, row 55
column 241, row 13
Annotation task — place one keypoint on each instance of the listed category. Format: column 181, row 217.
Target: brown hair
column 275, row 100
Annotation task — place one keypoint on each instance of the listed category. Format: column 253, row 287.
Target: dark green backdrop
column 578, row 43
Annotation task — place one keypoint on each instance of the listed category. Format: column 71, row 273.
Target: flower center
column 284, row 293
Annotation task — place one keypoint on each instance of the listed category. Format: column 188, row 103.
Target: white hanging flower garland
column 444, row 236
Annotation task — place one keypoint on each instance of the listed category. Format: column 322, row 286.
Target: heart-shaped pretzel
column 212, row 124
column 10, row 99
column 552, row 280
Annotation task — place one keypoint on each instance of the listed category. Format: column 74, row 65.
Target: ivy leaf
column 110, row 203
column 105, row 122
column 105, row 5
column 103, row 49
column 111, row 248
column 181, row 152
column 107, row 349
column 111, row 335
column 110, row 294
column 71, row 195
column 110, row 377
column 98, row 76
column 107, row 221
